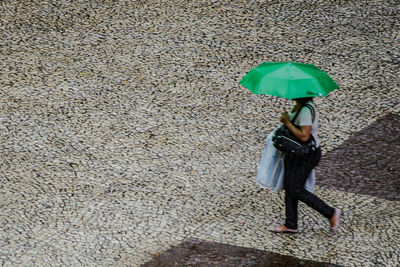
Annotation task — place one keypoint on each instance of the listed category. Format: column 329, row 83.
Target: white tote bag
column 270, row 170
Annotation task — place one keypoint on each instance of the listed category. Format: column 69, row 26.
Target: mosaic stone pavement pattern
column 352, row 157
column 195, row 252
column 368, row 163
column 125, row 135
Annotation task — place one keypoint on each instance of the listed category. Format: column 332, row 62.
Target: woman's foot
column 283, row 229
column 334, row 221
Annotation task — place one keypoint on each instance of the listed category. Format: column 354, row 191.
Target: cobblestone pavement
column 204, row 253
column 367, row 163
column 124, row 131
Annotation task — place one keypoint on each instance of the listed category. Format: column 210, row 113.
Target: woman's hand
column 285, row 117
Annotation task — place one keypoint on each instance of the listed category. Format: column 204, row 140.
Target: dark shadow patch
column 368, row 163
column 195, row 252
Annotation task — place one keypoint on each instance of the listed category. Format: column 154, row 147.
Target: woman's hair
column 304, row 100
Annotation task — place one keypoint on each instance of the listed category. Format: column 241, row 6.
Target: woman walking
column 298, row 168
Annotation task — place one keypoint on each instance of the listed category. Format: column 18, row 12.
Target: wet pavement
column 368, row 163
column 196, row 252
column 125, row 134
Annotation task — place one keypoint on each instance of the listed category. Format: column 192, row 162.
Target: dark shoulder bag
column 286, row 142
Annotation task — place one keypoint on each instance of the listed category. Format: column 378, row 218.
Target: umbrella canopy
column 289, row 80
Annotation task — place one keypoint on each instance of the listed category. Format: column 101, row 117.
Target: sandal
column 334, row 221
column 283, row 229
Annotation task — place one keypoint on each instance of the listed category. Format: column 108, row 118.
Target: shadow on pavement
column 195, row 252
column 367, row 163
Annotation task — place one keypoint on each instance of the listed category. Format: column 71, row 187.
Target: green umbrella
column 289, row 80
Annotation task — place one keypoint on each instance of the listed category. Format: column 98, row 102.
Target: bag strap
column 312, row 114
column 311, row 109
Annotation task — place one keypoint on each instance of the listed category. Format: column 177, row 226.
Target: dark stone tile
column 195, row 252
column 368, row 163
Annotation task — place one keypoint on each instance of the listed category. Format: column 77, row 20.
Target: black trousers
column 296, row 172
